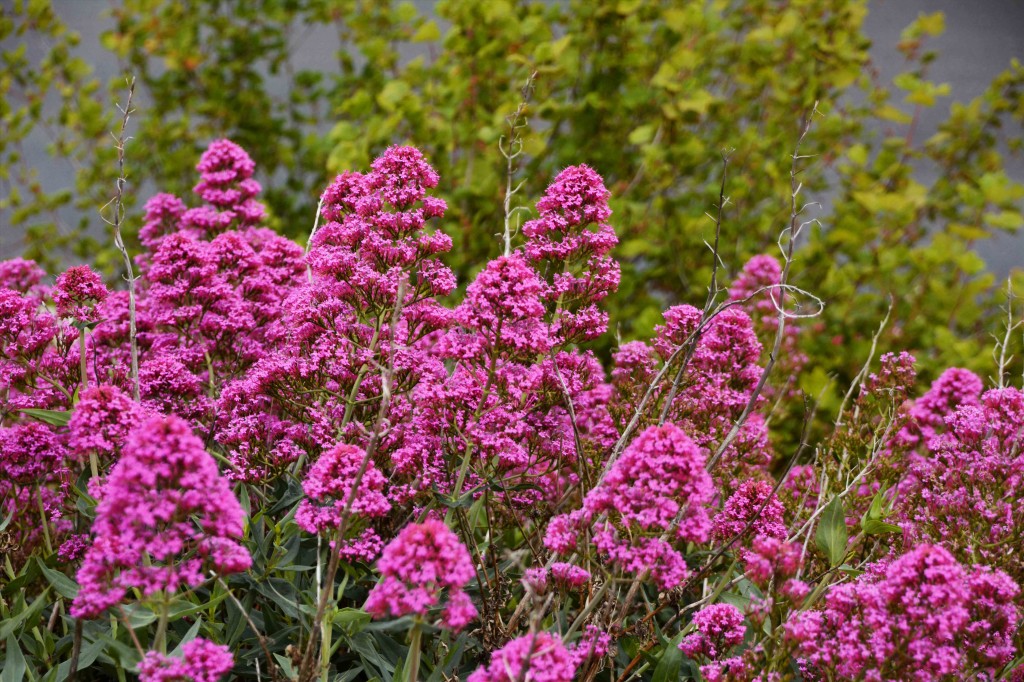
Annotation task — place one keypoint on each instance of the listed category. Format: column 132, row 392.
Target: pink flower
column 328, row 486
column 420, row 562
column 502, row 315
column 658, row 485
column 719, row 628
column 594, row 643
column 569, row 575
column 163, row 213
column 23, row 276
column 531, row 658
column 571, row 256
column 772, row 557
column 101, row 421
column 77, row 292
column 754, row 501
column 165, row 518
column 923, row 616
column 226, row 185
column 28, row 454
column 201, row 661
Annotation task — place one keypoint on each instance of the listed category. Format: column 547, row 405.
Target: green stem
column 160, row 639
column 412, row 664
column 42, row 518
column 326, row 630
column 459, row 482
column 83, row 363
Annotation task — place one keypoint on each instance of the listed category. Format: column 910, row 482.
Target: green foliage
column 648, row 93
column 832, row 537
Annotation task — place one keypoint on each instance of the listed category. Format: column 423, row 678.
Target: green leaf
column 15, row 666
column 670, row 663
column 64, row 585
column 850, row 570
column 54, row 417
column 90, row 652
column 12, row 624
column 427, row 33
column 192, row 633
column 878, row 527
column 642, row 135
column 832, row 537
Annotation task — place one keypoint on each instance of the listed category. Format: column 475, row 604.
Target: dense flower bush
column 334, row 471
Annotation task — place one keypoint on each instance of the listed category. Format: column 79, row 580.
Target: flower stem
column 82, row 361
column 412, row 664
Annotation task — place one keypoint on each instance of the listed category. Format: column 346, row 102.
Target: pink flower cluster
column 166, row 517
column 571, row 257
column 328, row 487
column 375, row 237
column 539, row 657
column 963, row 488
column 658, row 488
column 101, row 422
column 421, row 561
column 719, row 628
column 757, row 289
column 714, row 370
column 753, row 510
column 922, row 616
column 201, row 661
column 77, row 292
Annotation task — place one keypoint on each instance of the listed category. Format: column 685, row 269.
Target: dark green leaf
column 15, row 666
column 832, row 537
column 670, row 663
column 876, row 527
column 54, row 417
column 10, row 625
column 64, row 585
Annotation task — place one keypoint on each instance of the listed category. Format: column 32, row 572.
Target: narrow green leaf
column 832, row 537
column 64, row 585
column 669, row 665
column 12, row 624
column 15, row 666
column 90, row 652
column 54, row 417
column 192, row 633
column 876, row 527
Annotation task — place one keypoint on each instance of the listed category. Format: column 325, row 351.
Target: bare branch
column 118, row 219
column 511, row 149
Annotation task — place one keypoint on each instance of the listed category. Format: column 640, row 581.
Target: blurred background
column 915, row 167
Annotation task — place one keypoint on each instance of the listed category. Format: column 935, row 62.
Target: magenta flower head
column 539, row 657
column 502, row 314
column 328, row 486
column 28, row 454
column 719, row 628
column 24, row 276
column 568, row 244
column 422, row 560
column 921, row 617
column 753, row 501
column 166, row 517
column 201, row 661
column 402, row 175
column 77, row 292
column 163, row 216
column 101, row 422
column 658, row 481
column 658, row 487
